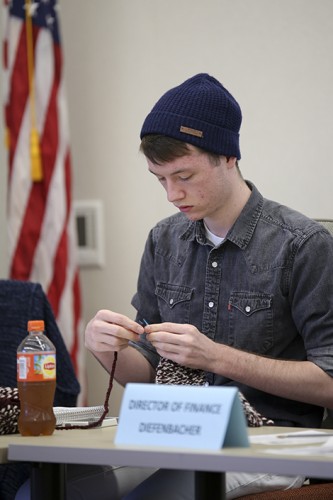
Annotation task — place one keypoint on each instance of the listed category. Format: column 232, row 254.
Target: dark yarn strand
column 106, row 402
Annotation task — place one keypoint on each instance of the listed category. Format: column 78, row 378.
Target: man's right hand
column 110, row 331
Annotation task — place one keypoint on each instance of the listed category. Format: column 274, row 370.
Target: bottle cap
column 36, row 326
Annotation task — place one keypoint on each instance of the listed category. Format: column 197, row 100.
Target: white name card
column 181, row 416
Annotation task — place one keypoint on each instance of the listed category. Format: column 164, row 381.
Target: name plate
column 181, row 416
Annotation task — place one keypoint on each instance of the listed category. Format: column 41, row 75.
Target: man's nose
column 174, row 193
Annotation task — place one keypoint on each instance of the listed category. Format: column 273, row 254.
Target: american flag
column 42, row 237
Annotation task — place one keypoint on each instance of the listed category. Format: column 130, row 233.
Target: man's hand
column 181, row 343
column 110, row 331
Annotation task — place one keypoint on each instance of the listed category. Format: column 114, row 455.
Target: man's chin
column 193, row 217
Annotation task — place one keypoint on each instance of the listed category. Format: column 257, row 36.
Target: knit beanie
column 201, row 112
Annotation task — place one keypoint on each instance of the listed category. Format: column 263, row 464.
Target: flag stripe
column 59, row 276
column 19, row 94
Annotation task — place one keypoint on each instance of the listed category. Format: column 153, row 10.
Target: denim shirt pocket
column 251, row 321
column 174, row 302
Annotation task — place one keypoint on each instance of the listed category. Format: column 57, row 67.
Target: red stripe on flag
column 59, row 273
column 31, row 226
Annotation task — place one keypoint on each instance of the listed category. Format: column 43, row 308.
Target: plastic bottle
column 36, row 382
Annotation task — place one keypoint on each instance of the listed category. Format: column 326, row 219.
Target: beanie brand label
column 191, row 131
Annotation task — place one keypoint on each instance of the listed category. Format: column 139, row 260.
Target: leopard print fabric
column 169, row 372
column 9, row 410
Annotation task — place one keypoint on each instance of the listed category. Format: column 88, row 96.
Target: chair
column 316, row 491
column 327, row 223
column 21, row 301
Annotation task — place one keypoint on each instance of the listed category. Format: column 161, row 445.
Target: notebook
column 81, row 415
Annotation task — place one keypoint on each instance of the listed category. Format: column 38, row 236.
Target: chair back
column 327, row 223
column 21, row 301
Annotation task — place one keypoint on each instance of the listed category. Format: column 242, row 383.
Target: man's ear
column 231, row 161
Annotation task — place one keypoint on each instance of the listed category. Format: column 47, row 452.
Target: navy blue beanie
column 201, row 112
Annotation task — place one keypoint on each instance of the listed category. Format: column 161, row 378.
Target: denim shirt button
column 171, row 302
column 210, row 304
column 214, row 264
column 247, row 309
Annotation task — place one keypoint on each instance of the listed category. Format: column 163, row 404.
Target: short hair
column 160, row 149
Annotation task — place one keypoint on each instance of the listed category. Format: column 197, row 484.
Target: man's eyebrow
column 177, row 172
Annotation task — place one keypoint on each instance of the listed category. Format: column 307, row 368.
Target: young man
column 237, row 289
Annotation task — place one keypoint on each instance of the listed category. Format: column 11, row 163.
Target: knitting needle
column 143, row 322
column 302, row 435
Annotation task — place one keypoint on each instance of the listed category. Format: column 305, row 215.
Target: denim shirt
column 268, row 289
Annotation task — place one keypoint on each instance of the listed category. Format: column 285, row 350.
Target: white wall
column 120, row 55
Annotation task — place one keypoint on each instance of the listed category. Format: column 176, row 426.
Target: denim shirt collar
column 241, row 232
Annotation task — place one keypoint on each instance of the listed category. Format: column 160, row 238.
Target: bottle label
column 36, row 367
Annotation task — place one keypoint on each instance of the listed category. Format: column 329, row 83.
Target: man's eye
column 186, row 178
